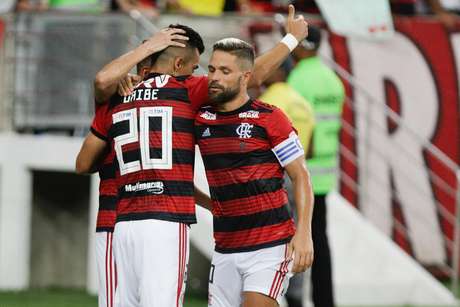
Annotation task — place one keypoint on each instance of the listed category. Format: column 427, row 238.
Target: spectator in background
column 300, row 112
column 442, row 9
column 31, row 5
column 62, row 5
column 146, row 7
column 319, row 85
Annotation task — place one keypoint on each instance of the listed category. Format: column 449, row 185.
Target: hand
column 163, row 39
column 301, row 246
column 127, row 84
column 296, row 26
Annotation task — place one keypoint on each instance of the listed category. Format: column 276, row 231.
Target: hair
column 237, row 47
column 194, row 42
column 194, row 39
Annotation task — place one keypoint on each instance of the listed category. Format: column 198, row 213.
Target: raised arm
column 265, row 64
column 106, row 81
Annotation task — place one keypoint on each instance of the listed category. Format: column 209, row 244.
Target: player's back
column 151, row 132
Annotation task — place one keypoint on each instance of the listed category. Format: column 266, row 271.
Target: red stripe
column 283, row 274
column 251, row 204
column 254, row 236
column 277, row 275
column 106, row 272
column 180, row 263
column 110, row 299
column 244, row 173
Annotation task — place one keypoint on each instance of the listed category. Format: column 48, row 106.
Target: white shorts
column 265, row 271
column 106, row 271
column 152, row 257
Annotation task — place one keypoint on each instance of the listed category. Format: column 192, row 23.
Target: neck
column 235, row 103
column 161, row 69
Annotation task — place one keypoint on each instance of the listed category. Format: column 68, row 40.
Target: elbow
column 82, row 168
column 101, row 82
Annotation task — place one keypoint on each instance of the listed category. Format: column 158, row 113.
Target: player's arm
column 301, row 244
column 267, row 63
column 202, row 199
column 107, row 79
column 90, row 154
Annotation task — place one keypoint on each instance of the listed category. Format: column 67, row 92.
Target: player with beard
column 246, row 146
column 151, row 131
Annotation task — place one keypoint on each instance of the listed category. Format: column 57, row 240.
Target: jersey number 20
column 141, row 134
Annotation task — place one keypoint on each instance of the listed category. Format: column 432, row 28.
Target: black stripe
column 99, row 135
column 163, row 187
column 246, row 189
column 107, row 202
column 179, row 156
column 104, row 229
column 235, row 160
column 179, row 124
column 119, row 128
column 165, row 216
column 224, row 250
column 220, row 131
column 107, row 171
column 260, row 219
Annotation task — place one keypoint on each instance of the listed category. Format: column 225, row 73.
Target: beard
column 225, row 94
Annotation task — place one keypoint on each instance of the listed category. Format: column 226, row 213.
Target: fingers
column 291, row 12
column 124, row 88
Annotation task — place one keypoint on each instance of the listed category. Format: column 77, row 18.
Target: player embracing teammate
column 150, row 132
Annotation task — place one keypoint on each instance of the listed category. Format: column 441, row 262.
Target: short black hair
column 237, row 47
column 194, row 39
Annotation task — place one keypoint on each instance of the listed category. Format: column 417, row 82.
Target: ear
column 247, row 76
column 178, row 64
column 144, row 71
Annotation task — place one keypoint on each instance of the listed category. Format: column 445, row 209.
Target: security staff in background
column 319, row 85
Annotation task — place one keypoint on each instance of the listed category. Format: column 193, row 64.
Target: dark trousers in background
column 321, row 271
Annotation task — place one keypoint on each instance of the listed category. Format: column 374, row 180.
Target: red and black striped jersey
column 151, row 134
column 106, row 215
column 244, row 152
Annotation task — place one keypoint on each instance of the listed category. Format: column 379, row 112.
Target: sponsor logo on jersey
column 244, row 130
column 206, row 133
column 154, row 187
column 249, row 114
column 208, row 115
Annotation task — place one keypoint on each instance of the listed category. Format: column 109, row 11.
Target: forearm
column 304, row 201
column 106, row 81
column 202, row 199
column 267, row 63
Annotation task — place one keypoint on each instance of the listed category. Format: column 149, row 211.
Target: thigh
column 255, row 299
column 162, row 253
column 105, row 269
column 225, row 282
column 267, row 272
column 126, row 294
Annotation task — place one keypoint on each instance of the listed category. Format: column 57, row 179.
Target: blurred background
column 393, row 220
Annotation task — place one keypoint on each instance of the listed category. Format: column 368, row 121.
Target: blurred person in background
column 300, row 112
column 444, row 10
column 63, row 5
column 319, row 85
column 147, row 7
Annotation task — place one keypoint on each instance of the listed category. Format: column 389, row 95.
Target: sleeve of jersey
column 198, row 91
column 284, row 139
column 99, row 125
